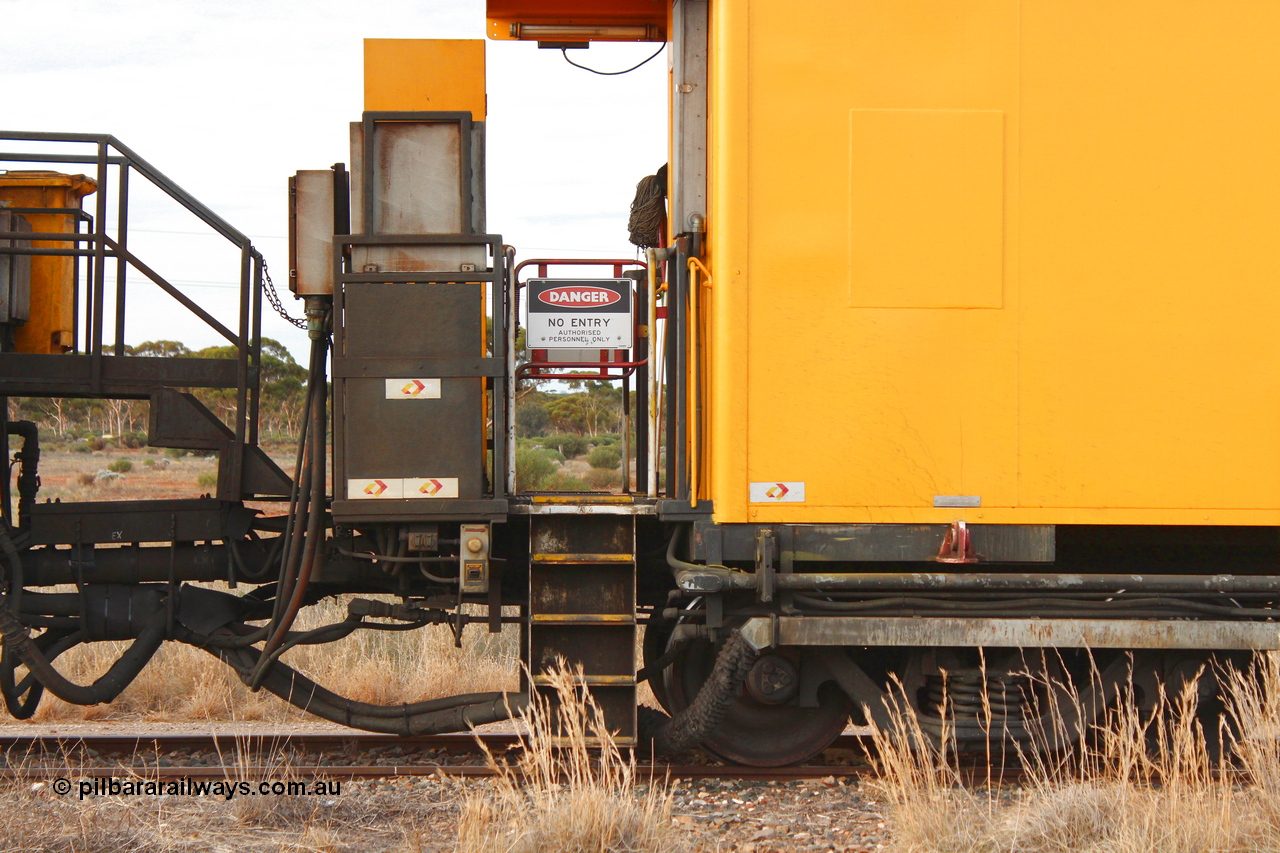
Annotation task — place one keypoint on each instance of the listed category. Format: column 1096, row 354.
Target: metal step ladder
column 582, row 607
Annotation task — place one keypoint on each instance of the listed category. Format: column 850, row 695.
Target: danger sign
column 578, row 313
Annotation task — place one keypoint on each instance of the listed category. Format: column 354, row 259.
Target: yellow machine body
column 51, row 326
column 992, row 261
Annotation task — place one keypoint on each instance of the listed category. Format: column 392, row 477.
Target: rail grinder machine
column 945, row 354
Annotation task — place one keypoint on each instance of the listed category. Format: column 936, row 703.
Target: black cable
column 452, row 714
column 565, row 54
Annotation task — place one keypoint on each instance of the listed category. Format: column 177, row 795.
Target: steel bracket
column 957, row 546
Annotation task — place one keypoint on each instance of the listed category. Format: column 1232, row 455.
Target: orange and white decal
column 381, row 488
column 777, row 492
column 431, row 487
column 413, row 389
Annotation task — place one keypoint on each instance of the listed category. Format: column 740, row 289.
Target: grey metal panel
column 15, row 272
column 418, row 510
column 348, row 368
column 957, row 500
column 1026, row 543
column 417, row 169
column 407, row 320
column 356, row 130
column 440, row 258
column 178, row 419
column 478, row 178
column 201, row 519
column 311, row 233
column 689, row 112
column 1011, row 633
column 420, row 438
column 383, row 438
column 426, row 175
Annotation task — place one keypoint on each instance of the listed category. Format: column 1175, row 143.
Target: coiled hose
column 688, row 728
column 18, row 642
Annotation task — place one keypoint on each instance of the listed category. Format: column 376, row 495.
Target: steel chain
column 274, row 298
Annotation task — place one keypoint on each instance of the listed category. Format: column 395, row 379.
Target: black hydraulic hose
column 689, row 727
column 108, row 686
column 15, row 578
column 51, row 603
column 315, row 515
column 726, row 576
column 452, row 714
column 28, row 470
column 52, row 644
column 300, row 494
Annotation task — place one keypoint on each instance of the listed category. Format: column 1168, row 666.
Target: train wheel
column 766, row 726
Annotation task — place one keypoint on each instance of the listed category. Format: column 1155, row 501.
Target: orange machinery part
column 50, row 328
column 578, row 20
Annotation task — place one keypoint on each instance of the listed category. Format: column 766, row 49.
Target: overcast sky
column 231, row 97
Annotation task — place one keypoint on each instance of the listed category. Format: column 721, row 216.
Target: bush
column 607, row 457
column 132, row 440
column 566, row 483
column 120, row 466
column 606, row 438
column 82, row 447
column 567, row 443
column 207, row 481
column 602, row 480
column 174, row 452
column 534, row 467
column 96, row 442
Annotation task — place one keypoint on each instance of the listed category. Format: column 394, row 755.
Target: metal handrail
column 99, row 247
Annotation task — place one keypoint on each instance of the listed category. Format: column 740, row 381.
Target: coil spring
column 971, row 695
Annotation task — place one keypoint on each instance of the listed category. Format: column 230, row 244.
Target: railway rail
column 349, row 756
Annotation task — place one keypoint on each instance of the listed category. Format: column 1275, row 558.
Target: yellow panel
column 878, row 406
column 1148, row 343
column 926, row 207
column 425, row 75
column 1115, row 232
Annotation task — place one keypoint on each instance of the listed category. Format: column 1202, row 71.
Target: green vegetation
column 534, row 469
column 606, row 456
column 120, row 466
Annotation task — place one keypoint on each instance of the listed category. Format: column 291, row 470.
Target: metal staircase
column 582, row 607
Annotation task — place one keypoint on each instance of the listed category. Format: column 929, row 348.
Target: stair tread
column 586, row 618
column 583, row 558
column 606, row 680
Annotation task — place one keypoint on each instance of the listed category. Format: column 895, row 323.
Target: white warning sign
column 580, row 313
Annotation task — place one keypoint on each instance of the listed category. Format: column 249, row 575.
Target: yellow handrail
column 696, row 369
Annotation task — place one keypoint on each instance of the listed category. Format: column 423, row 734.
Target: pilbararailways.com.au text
column 188, row 787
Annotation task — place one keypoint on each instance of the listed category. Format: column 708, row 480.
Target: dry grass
column 565, row 796
column 1145, row 782
column 356, row 818
column 182, row 683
